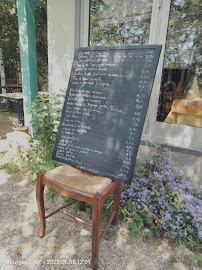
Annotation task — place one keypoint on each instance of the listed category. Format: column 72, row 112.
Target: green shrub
column 147, row 234
column 135, row 225
column 161, row 198
column 173, row 260
column 38, row 158
column 187, row 260
column 49, row 192
column 10, row 162
column 10, row 167
column 198, row 258
column 46, row 113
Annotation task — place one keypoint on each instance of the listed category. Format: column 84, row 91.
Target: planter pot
column 21, row 129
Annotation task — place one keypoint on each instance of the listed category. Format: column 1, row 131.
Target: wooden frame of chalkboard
column 105, row 109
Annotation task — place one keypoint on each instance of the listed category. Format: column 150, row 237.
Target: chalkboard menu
column 105, row 108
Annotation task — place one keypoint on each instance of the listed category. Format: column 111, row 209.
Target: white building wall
column 61, row 42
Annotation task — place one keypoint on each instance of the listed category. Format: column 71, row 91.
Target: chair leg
column 116, row 204
column 40, row 203
column 97, row 209
column 81, row 206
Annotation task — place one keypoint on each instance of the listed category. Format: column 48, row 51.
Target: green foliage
column 173, row 260
column 187, row 260
column 67, row 199
column 165, row 201
column 140, row 222
column 41, row 39
column 50, row 193
column 184, row 39
column 37, row 159
column 10, row 162
column 198, row 258
column 118, row 22
column 107, row 209
column 46, row 112
column 110, row 234
column 10, row 38
column 147, row 234
column 10, row 167
column 31, row 176
column 135, row 225
column 89, row 210
column 75, row 205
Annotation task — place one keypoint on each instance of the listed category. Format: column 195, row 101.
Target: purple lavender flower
column 165, row 191
column 200, row 234
column 167, row 216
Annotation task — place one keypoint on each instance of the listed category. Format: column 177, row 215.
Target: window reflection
column 180, row 100
column 116, row 22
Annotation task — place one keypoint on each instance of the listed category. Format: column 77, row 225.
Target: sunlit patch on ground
column 5, row 260
column 3, row 177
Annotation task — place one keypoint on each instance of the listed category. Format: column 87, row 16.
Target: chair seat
column 77, row 179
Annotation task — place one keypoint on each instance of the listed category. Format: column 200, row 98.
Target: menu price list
column 104, row 110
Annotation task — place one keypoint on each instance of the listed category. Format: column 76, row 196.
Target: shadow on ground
column 7, row 121
column 67, row 241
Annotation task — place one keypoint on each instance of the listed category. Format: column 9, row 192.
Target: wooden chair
column 83, row 187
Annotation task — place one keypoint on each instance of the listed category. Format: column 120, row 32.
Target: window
column 180, row 100
column 119, row 22
column 175, row 115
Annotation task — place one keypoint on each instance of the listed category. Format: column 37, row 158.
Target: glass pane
column 180, row 100
column 116, row 22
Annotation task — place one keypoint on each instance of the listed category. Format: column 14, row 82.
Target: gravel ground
column 66, row 239
column 7, row 122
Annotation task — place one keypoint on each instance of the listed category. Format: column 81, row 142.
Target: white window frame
column 176, row 135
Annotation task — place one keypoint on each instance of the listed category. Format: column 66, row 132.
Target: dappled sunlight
column 180, row 138
column 29, row 207
column 132, row 265
column 13, row 119
column 22, row 183
column 7, row 121
column 25, row 249
column 67, row 250
column 180, row 266
column 84, row 232
column 87, row 245
column 24, row 39
column 177, row 135
column 3, row 258
column 3, row 177
column 65, row 239
column 163, row 250
column 121, row 238
column 194, row 170
column 27, row 230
